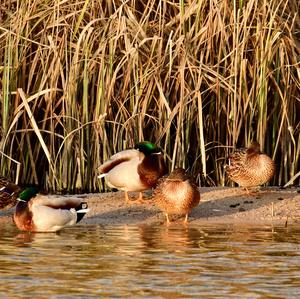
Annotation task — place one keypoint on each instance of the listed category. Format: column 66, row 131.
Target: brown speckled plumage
column 8, row 194
column 176, row 193
column 249, row 167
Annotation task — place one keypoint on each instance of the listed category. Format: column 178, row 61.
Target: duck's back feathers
column 177, row 193
column 54, row 202
column 8, row 193
column 124, row 176
column 249, row 167
column 117, row 159
column 47, row 219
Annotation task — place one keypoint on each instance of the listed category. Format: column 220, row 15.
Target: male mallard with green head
column 40, row 213
column 176, row 194
column 134, row 169
column 8, row 193
column 249, row 167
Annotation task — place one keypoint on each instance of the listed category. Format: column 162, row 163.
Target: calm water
column 151, row 262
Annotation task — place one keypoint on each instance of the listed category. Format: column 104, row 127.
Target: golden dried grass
column 81, row 80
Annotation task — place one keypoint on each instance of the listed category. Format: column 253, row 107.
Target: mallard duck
column 41, row 213
column 249, row 167
column 8, row 193
column 135, row 169
column 176, row 194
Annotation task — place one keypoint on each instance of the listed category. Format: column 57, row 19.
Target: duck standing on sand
column 249, row 167
column 8, row 193
column 134, row 170
column 40, row 213
column 176, row 194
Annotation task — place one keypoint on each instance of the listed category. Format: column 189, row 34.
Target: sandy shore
column 218, row 205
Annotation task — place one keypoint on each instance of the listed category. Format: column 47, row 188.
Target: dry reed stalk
column 196, row 77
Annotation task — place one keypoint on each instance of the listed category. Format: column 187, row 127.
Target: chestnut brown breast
column 23, row 217
column 151, row 169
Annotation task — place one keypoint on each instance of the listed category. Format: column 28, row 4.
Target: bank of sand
column 217, row 205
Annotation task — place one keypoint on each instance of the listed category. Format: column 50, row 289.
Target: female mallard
column 41, row 213
column 134, row 169
column 177, row 194
column 8, row 193
column 249, row 167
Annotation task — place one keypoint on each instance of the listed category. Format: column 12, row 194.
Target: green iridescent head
column 28, row 193
column 147, row 148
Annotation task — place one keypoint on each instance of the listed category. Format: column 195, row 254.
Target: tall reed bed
column 81, row 80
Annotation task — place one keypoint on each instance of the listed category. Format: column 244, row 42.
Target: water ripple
column 151, row 262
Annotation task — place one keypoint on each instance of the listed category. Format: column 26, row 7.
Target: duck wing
column 52, row 201
column 117, row 159
column 47, row 219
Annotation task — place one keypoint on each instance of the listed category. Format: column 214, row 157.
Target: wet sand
column 217, row 205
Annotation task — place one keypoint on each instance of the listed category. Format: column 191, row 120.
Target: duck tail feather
column 102, row 175
column 81, row 213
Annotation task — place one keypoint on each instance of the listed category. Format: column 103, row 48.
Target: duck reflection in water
column 172, row 238
column 26, row 239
